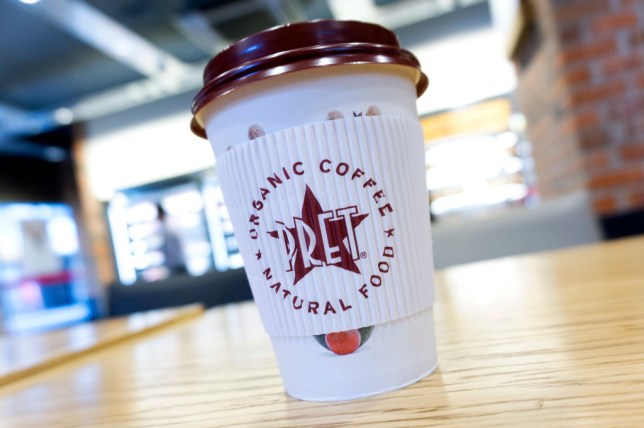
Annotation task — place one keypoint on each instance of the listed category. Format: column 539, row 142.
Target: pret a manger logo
column 319, row 238
column 320, row 235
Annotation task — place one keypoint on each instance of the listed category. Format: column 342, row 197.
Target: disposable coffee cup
column 321, row 162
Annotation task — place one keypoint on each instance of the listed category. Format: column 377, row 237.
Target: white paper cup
column 321, row 162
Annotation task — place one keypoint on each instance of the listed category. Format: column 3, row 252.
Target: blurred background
column 533, row 122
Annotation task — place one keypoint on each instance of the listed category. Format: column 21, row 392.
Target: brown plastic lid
column 300, row 46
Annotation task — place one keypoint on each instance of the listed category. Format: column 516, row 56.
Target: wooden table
column 554, row 339
column 26, row 354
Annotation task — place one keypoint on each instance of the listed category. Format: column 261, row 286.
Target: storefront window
column 42, row 281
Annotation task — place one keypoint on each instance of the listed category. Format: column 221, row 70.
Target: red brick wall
column 583, row 95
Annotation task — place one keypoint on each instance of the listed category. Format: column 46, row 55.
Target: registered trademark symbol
column 363, row 255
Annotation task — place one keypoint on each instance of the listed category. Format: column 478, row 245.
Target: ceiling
column 63, row 61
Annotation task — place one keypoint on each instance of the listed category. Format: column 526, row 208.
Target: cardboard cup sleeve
column 332, row 219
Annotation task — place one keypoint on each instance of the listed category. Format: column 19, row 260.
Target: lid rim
column 301, row 59
column 293, row 55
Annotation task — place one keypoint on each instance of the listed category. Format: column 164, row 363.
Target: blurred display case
column 476, row 173
column 225, row 249
column 478, row 160
column 189, row 211
column 42, row 277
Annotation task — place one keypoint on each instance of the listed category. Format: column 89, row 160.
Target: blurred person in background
column 174, row 259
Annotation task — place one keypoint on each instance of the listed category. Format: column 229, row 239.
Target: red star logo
column 320, row 238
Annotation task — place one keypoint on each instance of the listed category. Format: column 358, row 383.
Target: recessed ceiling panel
column 42, row 66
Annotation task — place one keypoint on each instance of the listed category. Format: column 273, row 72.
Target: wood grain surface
column 25, row 354
column 547, row 340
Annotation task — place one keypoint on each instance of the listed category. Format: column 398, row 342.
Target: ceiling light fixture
column 64, row 115
column 29, row 1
